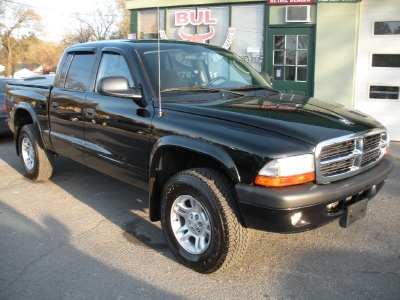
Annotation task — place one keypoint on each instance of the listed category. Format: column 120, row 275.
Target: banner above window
column 337, row 1
column 289, row 2
column 302, row 2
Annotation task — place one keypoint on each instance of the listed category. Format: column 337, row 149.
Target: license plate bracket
column 354, row 213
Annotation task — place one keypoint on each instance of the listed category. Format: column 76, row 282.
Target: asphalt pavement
column 85, row 235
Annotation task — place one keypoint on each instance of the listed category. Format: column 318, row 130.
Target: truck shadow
column 40, row 260
column 123, row 204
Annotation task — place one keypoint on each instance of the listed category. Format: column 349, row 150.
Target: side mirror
column 267, row 77
column 117, row 86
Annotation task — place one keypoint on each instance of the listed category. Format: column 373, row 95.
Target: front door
column 291, row 59
column 117, row 130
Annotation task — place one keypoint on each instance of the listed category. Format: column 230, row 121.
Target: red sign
column 203, row 16
column 289, row 2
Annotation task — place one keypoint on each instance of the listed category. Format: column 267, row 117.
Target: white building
column 378, row 63
column 23, row 73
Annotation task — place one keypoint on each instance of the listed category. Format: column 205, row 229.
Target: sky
column 56, row 14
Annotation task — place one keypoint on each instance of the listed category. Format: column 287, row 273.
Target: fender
column 191, row 144
column 23, row 106
column 34, row 102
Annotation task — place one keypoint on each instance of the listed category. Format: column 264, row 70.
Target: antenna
column 160, row 113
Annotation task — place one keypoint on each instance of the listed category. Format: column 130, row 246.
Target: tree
column 107, row 21
column 41, row 53
column 124, row 26
column 15, row 18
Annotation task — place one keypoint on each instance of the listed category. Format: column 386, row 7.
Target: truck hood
column 304, row 118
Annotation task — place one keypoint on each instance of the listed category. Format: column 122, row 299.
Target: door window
column 112, row 65
column 78, row 72
column 290, row 57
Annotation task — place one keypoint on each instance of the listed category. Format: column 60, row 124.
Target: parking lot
column 85, row 235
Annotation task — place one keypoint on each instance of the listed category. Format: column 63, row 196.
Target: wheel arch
column 24, row 114
column 185, row 153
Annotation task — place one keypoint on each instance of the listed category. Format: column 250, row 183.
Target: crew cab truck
column 218, row 149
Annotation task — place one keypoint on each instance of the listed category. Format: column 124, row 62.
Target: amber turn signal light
column 284, row 181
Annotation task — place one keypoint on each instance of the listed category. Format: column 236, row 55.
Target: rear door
column 67, row 103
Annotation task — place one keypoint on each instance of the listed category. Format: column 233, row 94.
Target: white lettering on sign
column 203, row 16
column 229, row 38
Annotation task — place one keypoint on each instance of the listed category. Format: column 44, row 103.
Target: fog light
column 296, row 218
column 332, row 206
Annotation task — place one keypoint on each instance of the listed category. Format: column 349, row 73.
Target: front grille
column 344, row 157
column 370, row 157
column 371, row 142
column 337, row 150
column 336, row 168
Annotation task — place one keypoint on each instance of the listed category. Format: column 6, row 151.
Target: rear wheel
column 201, row 222
column 37, row 161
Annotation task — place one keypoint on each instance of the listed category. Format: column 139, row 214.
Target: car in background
column 3, row 115
column 39, row 79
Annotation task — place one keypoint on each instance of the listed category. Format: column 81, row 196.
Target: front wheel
column 37, row 161
column 200, row 220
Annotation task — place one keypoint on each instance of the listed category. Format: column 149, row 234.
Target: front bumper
column 271, row 209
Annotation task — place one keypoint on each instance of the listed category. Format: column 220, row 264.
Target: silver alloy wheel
column 191, row 224
column 28, row 154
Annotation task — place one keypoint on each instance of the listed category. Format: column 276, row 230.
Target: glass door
column 291, row 59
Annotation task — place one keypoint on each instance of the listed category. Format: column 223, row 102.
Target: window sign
column 189, row 19
column 183, row 18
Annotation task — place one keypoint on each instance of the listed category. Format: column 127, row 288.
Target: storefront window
column 248, row 21
column 210, row 24
column 221, row 15
column 148, row 23
column 172, row 30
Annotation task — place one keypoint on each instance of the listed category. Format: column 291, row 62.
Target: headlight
column 286, row 171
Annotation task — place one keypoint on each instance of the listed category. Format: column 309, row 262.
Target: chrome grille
column 370, row 157
column 337, row 150
column 337, row 167
column 344, row 157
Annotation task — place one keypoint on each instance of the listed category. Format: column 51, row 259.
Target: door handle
column 90, row 112
column 55, row 105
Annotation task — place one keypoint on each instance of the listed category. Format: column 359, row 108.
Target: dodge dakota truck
column 219, row 150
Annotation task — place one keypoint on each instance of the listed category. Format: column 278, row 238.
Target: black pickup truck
column 219, row 151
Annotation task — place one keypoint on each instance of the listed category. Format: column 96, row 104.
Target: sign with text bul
column 289, row 2
column 203, row 16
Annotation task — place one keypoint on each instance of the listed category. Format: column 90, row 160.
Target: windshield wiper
column 197, row 88
column 251, row 87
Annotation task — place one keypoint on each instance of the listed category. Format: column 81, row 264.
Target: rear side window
column 76, row 71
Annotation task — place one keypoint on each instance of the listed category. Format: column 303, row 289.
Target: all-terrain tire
column 38, row 162
column 201, row 221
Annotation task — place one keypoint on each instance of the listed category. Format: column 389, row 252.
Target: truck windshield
column 183, row 66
